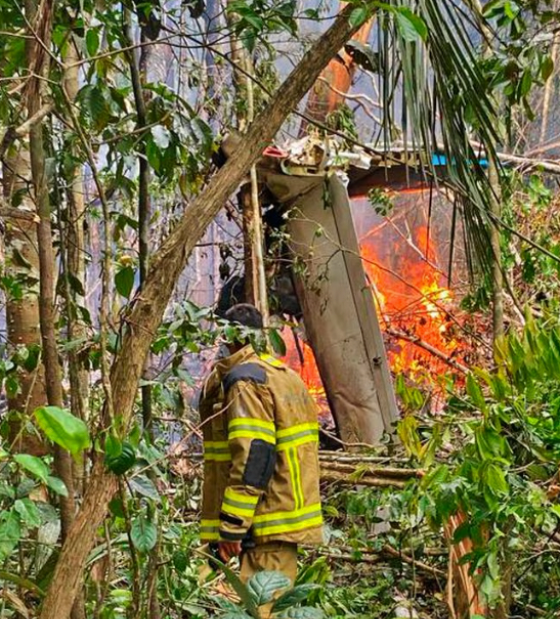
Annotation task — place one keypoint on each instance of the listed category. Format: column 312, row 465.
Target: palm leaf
column 445, row 103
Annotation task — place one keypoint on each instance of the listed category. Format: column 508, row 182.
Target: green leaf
column 124, row 281
column 232, row 611
column 153, row 152
column 65, row 429
column 10, row 533
column 263, row 585
column 123, row 461
column 240, row 588
column 359, row 16
column 113, row 446
column 526, row 83
column 143, row 534
column 92, row 41
column 145, row 487
column 495, row 478
column 293, row 597
column 57, row 486
column 547, row 67
column 28, row 512
column 410, row 25
column 180, row 561
column 33, row 465
column 116, row 507
column 303, row 612
column 277, row 342
column 475, row 392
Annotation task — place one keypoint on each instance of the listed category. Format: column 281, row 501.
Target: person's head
column 245, row 316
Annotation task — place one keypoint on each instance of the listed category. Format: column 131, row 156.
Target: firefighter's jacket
column 261, row 466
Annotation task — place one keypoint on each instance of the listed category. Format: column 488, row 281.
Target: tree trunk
column 22, row 264
column 138, row 77
column 497, row 274
column 148, row 307
column 75, row 263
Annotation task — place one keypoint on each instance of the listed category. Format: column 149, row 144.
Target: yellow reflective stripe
column 252, row 434
column 209, row 529
column 216, row 451
column 239, row 504
column 218, row 445
column 217, row 457
column 263, row 424
column 298, row 428
column 252, row 428
column 297, row 442
column 251, row 500
column 271, row 360
column 295, row 478
column 289, row 521
column 269, row 530
column 233, row 508
column 297, row 435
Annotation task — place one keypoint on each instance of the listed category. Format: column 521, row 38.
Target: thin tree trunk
column 72, row 249
column 138, row 76
column 497, row 274
column 22, row 315
column 41, row 17
column 75, row 253
column 147, row 308
column 241, row 60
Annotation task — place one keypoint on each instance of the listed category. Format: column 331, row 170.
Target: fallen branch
column 344, row 457
column 383, row 472
column 370, row 557
column 367, row 481
column 397, row 333
column 395, row 553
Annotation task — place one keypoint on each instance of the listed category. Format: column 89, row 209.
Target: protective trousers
column 277, row 556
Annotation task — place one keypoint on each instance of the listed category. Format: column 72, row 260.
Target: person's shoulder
column 250, row 371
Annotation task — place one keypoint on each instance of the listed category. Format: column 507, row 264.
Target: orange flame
column 411, row 299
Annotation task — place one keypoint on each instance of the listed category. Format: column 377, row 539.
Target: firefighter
column 261, row 469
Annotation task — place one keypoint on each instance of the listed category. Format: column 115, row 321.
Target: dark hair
column 245, row 314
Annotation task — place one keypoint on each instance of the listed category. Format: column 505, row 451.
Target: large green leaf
column 293, row 597
column 123, row 460
column 410, row 25
column 33, row 465
column 10, row 533
column 240, row 588
column 65, row 429
column 124, row 281
column 180, row 560
column 28, row 512
column 143, row 533
column 264, row 585
column 145, row 487
column 57, row 486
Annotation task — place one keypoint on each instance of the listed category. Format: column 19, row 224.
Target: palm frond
column 445, row 103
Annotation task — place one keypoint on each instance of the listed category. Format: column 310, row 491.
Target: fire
column 303, row 362
column 414, row 308
column 412, row 301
